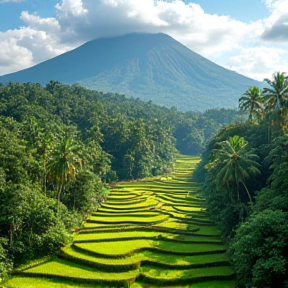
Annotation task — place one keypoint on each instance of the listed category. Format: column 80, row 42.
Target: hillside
column 149, row 66
column 149, row 233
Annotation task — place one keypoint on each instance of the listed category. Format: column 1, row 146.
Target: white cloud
column 48, row 25
column 276, row 26
column 212, row 36
column 78, row 21
column 72, row 8
column 259, row 62
column 188, row 23
column 25, row 47
column 13, row 57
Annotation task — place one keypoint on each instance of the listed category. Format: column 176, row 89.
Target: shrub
column 259, row 248
column 5, row 263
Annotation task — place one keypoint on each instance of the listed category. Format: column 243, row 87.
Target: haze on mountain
column 147, row 66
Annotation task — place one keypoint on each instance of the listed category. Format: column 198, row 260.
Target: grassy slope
column 148, row 233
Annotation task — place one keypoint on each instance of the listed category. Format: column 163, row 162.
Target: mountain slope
column 149, row 66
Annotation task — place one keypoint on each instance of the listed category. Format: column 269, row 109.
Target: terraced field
column 148, row 234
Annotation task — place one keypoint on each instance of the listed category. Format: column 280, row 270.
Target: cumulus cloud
column 188, row 23
column 276, row 26
column 25, row 47
column 78, row 21
column 49, row 25
column 259, row 62
column 13, row 57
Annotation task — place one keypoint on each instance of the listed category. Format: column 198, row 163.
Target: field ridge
column 156, row 231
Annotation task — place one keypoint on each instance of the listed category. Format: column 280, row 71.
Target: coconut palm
column 276, row 96
column 62, row 166
column 234, row 164
column 252, row 102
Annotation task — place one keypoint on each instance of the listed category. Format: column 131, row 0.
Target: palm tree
column 62, row 166
column 234, row 164
column 276, row 96
column 44, row 146
column 251, row 101
column 276, row 100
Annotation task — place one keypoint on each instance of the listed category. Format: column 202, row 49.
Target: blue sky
column 249, row 37
column 236, row 8
column 10, row 12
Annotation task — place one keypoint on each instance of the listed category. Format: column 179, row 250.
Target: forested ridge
column 60, row 146
column 244, row 174
column 149, row 66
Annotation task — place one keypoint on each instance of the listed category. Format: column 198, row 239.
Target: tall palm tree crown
column 233, row 163
column 62, row 166
column 252, row 102
column 277, row 96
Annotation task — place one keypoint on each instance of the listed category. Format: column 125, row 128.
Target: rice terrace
column 149, row 233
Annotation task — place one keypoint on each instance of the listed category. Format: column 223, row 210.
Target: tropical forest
column 101, row 190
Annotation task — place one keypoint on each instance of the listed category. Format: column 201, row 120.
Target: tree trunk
column 248, row 193
column 278, row 104
column 45, row 177
column 58, row 200
column 11, row 230
column 74, row 201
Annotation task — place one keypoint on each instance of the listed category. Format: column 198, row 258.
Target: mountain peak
column 149, row 66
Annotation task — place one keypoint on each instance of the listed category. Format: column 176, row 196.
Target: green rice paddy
column 150, row 233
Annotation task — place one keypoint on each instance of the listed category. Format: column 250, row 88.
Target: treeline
column 244, row 170
column 60, row 145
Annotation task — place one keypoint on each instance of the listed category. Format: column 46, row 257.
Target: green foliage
column 171, row 252
column 260, row 248
column 85, row 193
column 233, row 164
column 275, row 195
column 64, row 142
column 258, row 230
column 55, row 238
column 14, row 158
column 252, row 102
column 168, row 276
column 5, row 262
column 62, row 166
column 27, row 216
column 276, row 94
column 146, row 66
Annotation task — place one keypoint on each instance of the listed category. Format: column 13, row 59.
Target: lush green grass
column 152, row 256
column 123, row 197
column 158, row 225
column 208, row 231
column 143, row 234
column 147, row 203
column 117, row 214
column 113, row 211
column 187, row 214
column 168, row 200
column 167, row 274
column 204, row 284
column 50, row 282
column 59, row 267
column 91, row 225
column 189, row 208
column 129, row 219
column 29, row 282
column 121, row 248
column 164, row 189
column 178, row 225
